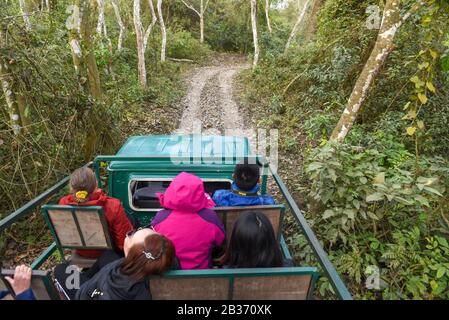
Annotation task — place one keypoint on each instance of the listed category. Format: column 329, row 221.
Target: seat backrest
column 41, row 283
column 296, row 283
column 77, row 227
column 274, row 213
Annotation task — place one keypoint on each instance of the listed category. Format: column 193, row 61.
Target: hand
column 22, row 279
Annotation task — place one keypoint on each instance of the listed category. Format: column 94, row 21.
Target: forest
column 357, row 89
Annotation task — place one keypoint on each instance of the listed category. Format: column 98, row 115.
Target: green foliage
column 181, row 44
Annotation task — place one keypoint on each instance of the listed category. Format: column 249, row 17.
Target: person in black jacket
column 253, row 244
column 146, row 253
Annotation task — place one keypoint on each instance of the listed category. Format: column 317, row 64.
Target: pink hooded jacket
column 193, row 228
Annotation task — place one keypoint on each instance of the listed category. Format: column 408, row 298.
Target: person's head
column 146, row 252
column 253, row 243
column 246, row 175
column 82, row 184
column 185, row 193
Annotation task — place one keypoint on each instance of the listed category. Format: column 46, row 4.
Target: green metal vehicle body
column 161, row 158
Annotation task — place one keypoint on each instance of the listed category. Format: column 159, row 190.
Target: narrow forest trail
column 210, row 106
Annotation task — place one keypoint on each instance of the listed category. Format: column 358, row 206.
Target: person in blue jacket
column 244, row 189
column 21, row 284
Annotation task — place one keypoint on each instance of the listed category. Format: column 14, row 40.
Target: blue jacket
column 26, row 295
column 236, row 197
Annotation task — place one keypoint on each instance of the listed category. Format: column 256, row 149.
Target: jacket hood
column 97, row 198
column 185, row 193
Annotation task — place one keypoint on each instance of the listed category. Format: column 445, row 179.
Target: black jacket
column 110, row 284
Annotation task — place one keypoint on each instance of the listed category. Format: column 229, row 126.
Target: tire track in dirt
column 209, row 105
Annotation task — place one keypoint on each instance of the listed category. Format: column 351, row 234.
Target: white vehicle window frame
column 138, row 179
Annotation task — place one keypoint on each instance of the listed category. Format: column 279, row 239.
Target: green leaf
column 432, row 190
column 426, row 181
column 415, row 79
column 328, row 213
column 441, row 271
column 443, row 242
column 374, row 245
column 363, row 180
column 314, row 166
column 433, row 285
column 377, row 196
column 372, row 215
column 350, row 213
column 422, row 200
column 445, row 63
column 332, row 174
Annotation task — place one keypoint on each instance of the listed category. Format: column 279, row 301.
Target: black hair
column 252, row 243
column 246, row 175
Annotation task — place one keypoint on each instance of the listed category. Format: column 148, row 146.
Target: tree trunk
column 267, row 16
column 163, row 30
column 15, row 103
column 140, row 45
column 152, row 24
column 202, row 28
column 101, row 25
column 292, row 36
column 25, row 14
column 142, row 39
column 310, row 30
column 83, row 51
column 391, row 22
column 120, row 23
column 10, row 97
column 200, row 14
column 254, row 27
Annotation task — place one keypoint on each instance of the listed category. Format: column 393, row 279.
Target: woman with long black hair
column 253, row 244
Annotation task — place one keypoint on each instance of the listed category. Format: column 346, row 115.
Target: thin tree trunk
column 15, row 106
column 25, row 14
column 142, row 39
column 391, row 22
column 200, row 13
column 163, row 30
column 310, row 30
column 83, row 52
column 301, row 15
column 140, row 45
column 10, row 97
column 152, row 24
column 254, row 28
column 267, row 16
column 202, row 28
column 120, row 23
column 101, row 25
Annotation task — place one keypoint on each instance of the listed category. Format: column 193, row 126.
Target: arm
column 219, row 236
column 119, row 227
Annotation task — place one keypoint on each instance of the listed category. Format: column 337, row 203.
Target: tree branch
column 191, row 7
column 150, row 27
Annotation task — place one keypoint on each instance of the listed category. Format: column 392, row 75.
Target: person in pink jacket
column 188, row 222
